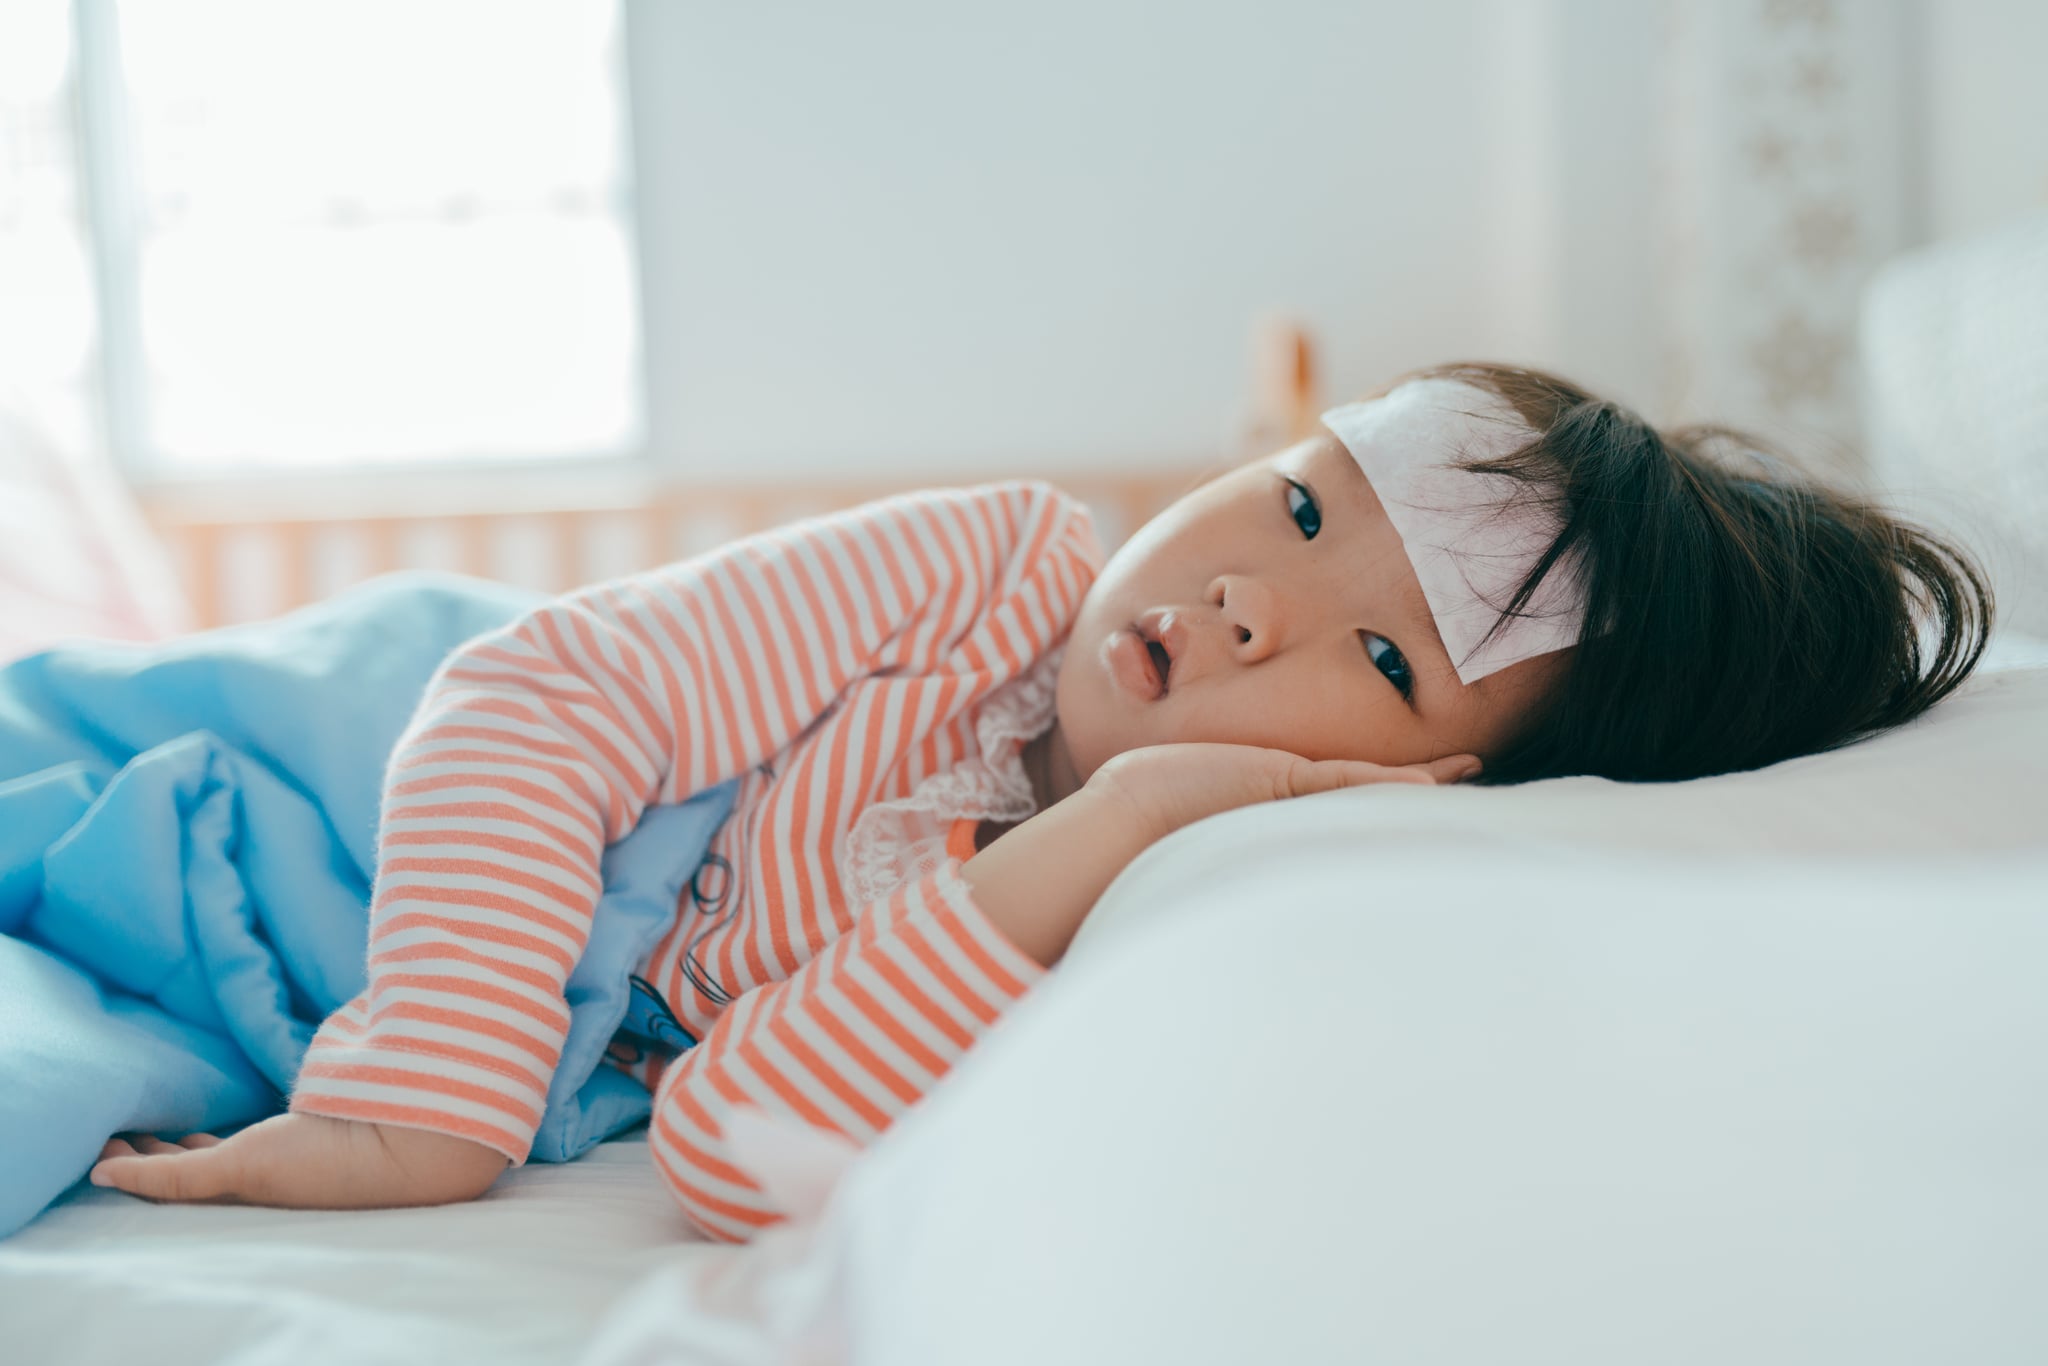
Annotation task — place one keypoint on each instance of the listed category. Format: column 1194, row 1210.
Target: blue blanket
column 187, row 840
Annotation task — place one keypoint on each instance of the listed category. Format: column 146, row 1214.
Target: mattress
column 520, row 1276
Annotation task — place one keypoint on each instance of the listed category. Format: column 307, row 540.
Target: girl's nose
column 1252, row 616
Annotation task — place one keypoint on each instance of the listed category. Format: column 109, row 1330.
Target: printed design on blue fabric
column 711, row 897
column 650, row 1021
column 649, row 1017
column 650, row 1025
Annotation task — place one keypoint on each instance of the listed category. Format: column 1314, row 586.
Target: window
column 47, row 332
column 381, row 231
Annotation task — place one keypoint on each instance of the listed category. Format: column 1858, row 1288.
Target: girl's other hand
column 303, row 1161
column 1169, row 786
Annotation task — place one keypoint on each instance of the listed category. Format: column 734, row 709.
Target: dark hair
column 1738, row 612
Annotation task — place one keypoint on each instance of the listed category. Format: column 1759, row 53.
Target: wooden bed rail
column 250, row 563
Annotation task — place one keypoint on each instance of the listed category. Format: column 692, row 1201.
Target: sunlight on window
column 387, row 230
column 46, row 296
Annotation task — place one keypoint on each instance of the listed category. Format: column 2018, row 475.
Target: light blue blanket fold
column 187, row 839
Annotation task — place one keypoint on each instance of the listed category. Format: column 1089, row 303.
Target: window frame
column 109, row 198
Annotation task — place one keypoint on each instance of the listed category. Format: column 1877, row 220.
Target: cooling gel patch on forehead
column 1472, row 538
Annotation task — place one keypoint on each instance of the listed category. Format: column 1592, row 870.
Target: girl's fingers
column 1308, row 777
column 158, row 1169
column 143, row 1145
column 1453, row 768
column 195, row 1175
column 1354, row 773
column 1374, row 773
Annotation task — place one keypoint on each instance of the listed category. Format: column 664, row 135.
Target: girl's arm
column 538, row 745
column 868, row 1027
column 871, row 1024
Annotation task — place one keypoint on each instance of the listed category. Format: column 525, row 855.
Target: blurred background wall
column 958, row 241
column 909, row 232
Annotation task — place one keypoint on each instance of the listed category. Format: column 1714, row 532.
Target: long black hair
column 1738, row 612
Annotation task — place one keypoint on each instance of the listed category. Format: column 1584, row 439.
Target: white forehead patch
column 1471, row 538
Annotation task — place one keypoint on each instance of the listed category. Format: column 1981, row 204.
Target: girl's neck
column 1050, row 768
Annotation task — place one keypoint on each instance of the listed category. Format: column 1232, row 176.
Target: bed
column 1741, row 1069
column 521, row 1276
column 1746, row 1069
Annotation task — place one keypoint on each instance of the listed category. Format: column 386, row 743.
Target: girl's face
column 1293, row 620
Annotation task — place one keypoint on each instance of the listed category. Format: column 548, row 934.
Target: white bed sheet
column 521, row 1276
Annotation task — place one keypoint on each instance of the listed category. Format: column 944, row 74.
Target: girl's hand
column 1169, row 786
column 302, row 1161
column 1039, row 881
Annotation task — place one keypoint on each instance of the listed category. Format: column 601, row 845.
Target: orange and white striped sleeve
column 539, row 744
column 847, row 1043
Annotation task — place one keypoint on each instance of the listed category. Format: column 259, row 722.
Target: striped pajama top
column 831, row 665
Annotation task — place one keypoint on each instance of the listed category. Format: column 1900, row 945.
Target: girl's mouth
column 1138, row 665
column 1162, row 664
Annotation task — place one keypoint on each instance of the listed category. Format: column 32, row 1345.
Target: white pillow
column 1739, row 1070
column 1508, row 1109
column 1745, row 1069
column 1969, row 775
column 1953, row 352
column 2014, row 650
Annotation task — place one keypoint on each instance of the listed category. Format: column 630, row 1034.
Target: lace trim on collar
column 894, row 841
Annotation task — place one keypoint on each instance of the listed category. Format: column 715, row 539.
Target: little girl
column 954, row 725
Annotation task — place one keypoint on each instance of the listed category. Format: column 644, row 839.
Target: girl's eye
column 1387, row 657
column 1314, row 521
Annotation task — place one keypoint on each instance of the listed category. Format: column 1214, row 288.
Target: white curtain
column 1796, row 143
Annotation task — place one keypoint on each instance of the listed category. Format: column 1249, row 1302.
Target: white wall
column 1987, row 111
column 918, row 234
column 962, row 239
column 1579, row 200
